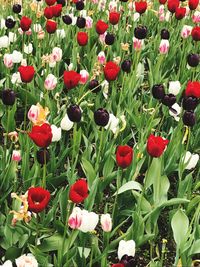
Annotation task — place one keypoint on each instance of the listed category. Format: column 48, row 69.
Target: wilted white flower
column 105, row 87
column 66, row 124
column 28, row 49
column 174, row 87
column 17, row 56
column 126, row 248
column 106, row 222
column 56, row 132
column 26, row 261
column 191, row 160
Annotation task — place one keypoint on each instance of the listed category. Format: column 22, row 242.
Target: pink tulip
column 16, row 155
column 101, row 57
column 84, row 76
column 164, row 47
column 106, row 222
column 137, row 44
column 75, row 219
column 8, row 61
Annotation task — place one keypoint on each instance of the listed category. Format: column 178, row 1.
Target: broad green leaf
column 84, row 252
column 195, row 249
column 154, row 172
column 180, row 225
column 132, row 185
column 89, row 171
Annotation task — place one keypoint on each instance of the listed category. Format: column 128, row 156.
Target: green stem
column 25, row 111
column 100, row 148
column 44, row 170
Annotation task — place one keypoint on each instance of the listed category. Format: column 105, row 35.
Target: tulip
column 101, row 27
column 43, row 156
column 158, row 91
column 28, row 49
column 190, row 160
column 16, row 155
column 8, row 97
column 80, row 5
column 189, row 118
column 8, row 60
column 89, row 221
column 37, row 114
column 140, row 32
column 113, row 123
column 26, row 260
column 124, row 156
column 10, row 23
column 41, row 135
column 57, row 54
column 126, row 65
column 193, row 4
column 168, row 100
column 174, row 87
column 165, row 34
column 94, row 86
column 109, row 38
column 101, row 117
column 66, row 124
column 16, row 78
column 156, row 145
column 193, row 60
column 50, row 82
column 4, row 41
column 175, row 111
column 81, row 22
column 74, row 113
column 67, row 19
column 186, row 31
column 106, row 222
column 140, row 7
column 196, row 33
column 17, row 56
column 84, row 76
column 51, row 26
column 164, row 47
column 38, row 199
column 78, row 191
column 137, row 44
column 56, row 132
column 75, row 218
column 126, row 248
column 111, row 71
column 114, row 17
column 16, row 8
column 26, row 73
column 25, row 23
column 190, row 103
column 193, row 89
column 101, row 57
column 89, row 22
column 196, row 17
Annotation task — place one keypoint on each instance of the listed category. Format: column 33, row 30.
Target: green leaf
column 89, row 171
column 153, row 174
column 132, row 185
column 12, row 253
column 84, row 251
column 180, row 225
column 195, row 249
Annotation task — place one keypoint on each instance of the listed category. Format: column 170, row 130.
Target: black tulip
column 169, row 100
column 189, row 118
column 124, row 1
column 101, row 117
column 61, row 2
column 10, row 23
column 128, row 261
column 16, row 8
column 193, row 60
column 109, row 39
column 140, row 32
column 80, row 5
column 126, row 65
column 74, row 113
column 158, row 91
column 43, row 156
column 8, row 97
column 81, row 22
column 165, row 34
column 190, row 103
column 94, row 84
column 67, row 19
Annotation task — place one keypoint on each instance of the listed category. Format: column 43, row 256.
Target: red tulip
column 51, row 26
column 124, row 156
column 38, row 199
column 41, row 135
column 180, row 13
column 48, row 12
column 50, row 2
column 162, row 2
column 25, row 23
column 196, row 33
column 101, row 27
column 114, row 17
column 111, row 71
column 117, row 265
column 71, row 79
column 193, row 4
column 57, row 9
column 26, row 73
column 140, row 7
column 82, row 38
column 156, row 145
column 78, row 191
column 193, row 89
column 172, row 5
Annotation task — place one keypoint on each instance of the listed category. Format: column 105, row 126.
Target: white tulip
column 17, row 56
column 16, row 78
column 26, row 261
column 60, row 33
column 37, row 27
column 4, row 41
column 106, row 222
column 174, row 87
column 191, row 160
column 177, row 110
column 2, row 24
column 126, row 248
column 89, row 221
column 28, row 49
column 57, row 54
column 7, row 264
column 66, row 124
column 50, row 82
column 113, row 123
column 56, row 132
column 12, row 37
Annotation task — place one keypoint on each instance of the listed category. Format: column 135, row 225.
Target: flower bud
column 67, row 19
column 189, row 118
column 43, row 156
column 158, row 91
column 193, row 60
column 8, row 97
column 106, row 222
column 16, row 155
column 109, row 39
column 169, row 100
column 140, row 32
column 74, row 113
column 190, row 103
column 165, row 34
column 94, row 84
column 101, row 117
column 16, row 8
column 126, row 65
column 10, row 23
column 80, row 5
column 81, row 22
